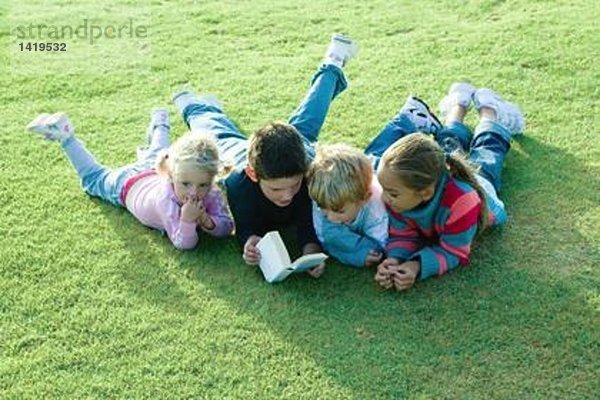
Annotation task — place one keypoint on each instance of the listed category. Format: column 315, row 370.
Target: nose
column 288, row 196
column 331, row 216
column 385, row 198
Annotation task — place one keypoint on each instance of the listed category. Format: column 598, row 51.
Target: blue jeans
column 105, row 183
column 486, row 148
column 397, row 128
column 308, row 118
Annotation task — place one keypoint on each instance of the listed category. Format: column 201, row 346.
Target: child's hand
column 405, row 275
column 205, row 221
column 317, row 271
column 373, row 258
column 384, row 272
column 191, row 209
column 312, row 248
column 251, row 253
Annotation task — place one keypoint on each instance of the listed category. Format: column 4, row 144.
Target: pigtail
column 459, row 167
column 162, row 167
column 225, row 169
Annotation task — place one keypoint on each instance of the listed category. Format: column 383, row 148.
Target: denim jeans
column 486, row 148
column 105, row 183
column 308, row 118
column 397, row 128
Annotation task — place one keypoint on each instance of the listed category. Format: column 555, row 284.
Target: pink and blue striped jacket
column 439, row 233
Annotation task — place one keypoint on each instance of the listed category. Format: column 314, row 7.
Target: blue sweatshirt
column 351, row 243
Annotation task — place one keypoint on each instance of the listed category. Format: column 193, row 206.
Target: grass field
column 94, row 305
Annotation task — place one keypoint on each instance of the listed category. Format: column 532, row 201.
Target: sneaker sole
column 435, row 118
column 449, row 100
column 38, row 123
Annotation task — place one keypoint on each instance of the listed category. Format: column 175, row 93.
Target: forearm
column 351, row 251
column 183, row 235
column 435, row 261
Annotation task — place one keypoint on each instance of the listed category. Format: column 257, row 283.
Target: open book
column 275, row 260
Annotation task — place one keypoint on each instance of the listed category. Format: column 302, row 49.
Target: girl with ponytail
column 441, row 191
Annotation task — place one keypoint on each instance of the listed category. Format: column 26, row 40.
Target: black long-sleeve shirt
column 254, row 214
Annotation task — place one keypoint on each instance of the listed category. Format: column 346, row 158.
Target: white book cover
column 275, row 262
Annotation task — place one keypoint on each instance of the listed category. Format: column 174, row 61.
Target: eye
column 186, row 184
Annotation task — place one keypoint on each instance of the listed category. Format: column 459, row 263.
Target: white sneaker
column 508, row 114
column 53, row 127
column 341, row 49
column 460, row 93
column 419, row 113
column 158, row 117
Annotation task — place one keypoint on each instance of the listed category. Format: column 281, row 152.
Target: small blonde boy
column 349, row 217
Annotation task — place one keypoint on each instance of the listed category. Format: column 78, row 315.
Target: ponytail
column 459, row 167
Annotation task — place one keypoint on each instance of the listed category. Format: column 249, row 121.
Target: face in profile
column 344, row 215
column 399, row 197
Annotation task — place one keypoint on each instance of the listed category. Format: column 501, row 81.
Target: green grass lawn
column 95, row 305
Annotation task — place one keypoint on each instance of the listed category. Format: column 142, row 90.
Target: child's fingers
column 383, row 280
column 251, row 258
column 383, row 269
column 251, row 261
column 253, row 251
column 385, row 283
column 317, row 271
column 387, row 262
column 393, row 268
column 403, row 281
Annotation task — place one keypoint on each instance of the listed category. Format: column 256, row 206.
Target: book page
column 308, row 261
column 274, row 257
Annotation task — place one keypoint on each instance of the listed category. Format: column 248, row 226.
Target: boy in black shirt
column 266, row 190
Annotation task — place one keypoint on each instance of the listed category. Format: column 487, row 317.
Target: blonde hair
column 191, row 150
column 418, row 161
column 339, row 174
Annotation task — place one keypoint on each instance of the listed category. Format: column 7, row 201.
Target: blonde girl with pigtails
column 169, row 187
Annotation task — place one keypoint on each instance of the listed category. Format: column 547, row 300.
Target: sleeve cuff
column 187, row 228
column 429, row 264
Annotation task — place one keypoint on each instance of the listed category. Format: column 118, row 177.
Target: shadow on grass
column 520, row 320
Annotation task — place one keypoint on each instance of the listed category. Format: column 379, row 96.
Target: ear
column 427, row 193
column 368, row 195
column 251, row 173
column 161, row 167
